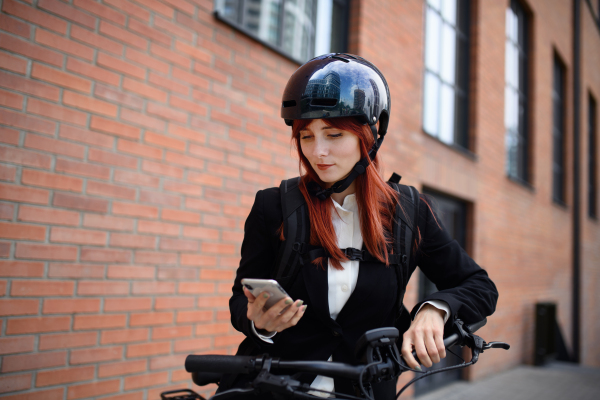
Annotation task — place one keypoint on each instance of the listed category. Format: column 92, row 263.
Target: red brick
column 224, row 48
column 14, row 383
column 121, row 66
column 30, row 50
column 115, row 128
column 183, row 188
column 178, row 244
column 110, row 190
column 204, row 179
column 194, row 52
column 148, row 349
column 212, row 329
column 34, row 16
column 148, row 32
column 89, row 104
column 37, row 325
column 130, row 9
column 22, row 231
column 107, row 222
column 117, row 96
column 155, row 257
column 109, row 158
column 18, row 307
column 192, row 345
column 121, row 368
column 151, row 319
column 102, row 288
column 28, row 86
column 196, row 287
column 153, row 287
column 159, row 198
column 86, row 356
column 51, row 394
column 68, row 12
column 159, row 7
column 123, row 35
column 88, row 390
column 236, row 211
column 62, row 376
column 170, row 273
column 92, row 322
column 33, row 361
column 209, row 72
column 164, row 141
column 86, row 136
column 54, row 111
column 217, row 274
column 197, row 260
column 96, row 40
column 54, row 146
column 168, row 84
column 162, row 169
column 92, row 71
column 60, row 78
column 166, row 362
column 83, row 169
column 187, row 105
column 184, row 160
column 67, row 340
column 75, row 271
column 105, row 255
column 172, row 28
column 101, row 11
column 70, row 306
column 124, row 336
column 20, row 344
column 10, row 62
column 11, row 100
column 166, row 113
column 206, row 152
column 7, row 211
column 80, row 202
column 144, row 90
column 15, row 26
column 203, row 205
column 155, row 227
column 27, row 122
column 52, row 181
column 190, row 78
column 200, row 233
column 46, row 252
column 9, row 136
column 139, row 149
column 132, row 241
column 170, row 56
column 146, row 380
column 209, row 99
column 135, row 210
column 31, row 288
column 57, row 42
column 186, row 217
column 229, row 340
column 194, row 316
column 135, row 178
column 169, row 303
column 128, row 304
column 142, row 119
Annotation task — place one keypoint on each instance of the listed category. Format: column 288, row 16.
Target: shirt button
column 344, row 288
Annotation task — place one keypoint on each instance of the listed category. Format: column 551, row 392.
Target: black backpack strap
column 296, row 228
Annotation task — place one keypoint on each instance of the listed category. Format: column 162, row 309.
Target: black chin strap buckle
column 353, row 254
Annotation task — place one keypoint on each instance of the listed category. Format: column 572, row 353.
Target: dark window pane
column 592, row 157
column 558, row 133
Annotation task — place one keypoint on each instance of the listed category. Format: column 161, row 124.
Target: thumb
column 249, row 295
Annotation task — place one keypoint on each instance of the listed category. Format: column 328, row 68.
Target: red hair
column 376, row 200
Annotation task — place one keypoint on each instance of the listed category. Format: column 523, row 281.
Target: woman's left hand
column 426, row 336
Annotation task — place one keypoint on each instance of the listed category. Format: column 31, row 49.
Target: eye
column 305, row 136
column 335, row 135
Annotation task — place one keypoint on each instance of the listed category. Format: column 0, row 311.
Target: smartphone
column 257, row 286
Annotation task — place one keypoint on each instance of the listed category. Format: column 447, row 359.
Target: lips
column 323, row 167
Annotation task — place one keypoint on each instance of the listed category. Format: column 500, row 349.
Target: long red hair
column 375, row 199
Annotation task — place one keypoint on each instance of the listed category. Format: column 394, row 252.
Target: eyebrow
column 327, row 127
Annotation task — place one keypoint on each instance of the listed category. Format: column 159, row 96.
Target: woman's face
column 332, row 152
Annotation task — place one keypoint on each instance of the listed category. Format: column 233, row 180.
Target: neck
column 339, row 197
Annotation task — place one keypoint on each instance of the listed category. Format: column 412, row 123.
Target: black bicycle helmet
column 339, row 85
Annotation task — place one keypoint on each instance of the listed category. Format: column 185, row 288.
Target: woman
column 338, row 106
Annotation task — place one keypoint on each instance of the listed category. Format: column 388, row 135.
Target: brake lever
column 496, row 345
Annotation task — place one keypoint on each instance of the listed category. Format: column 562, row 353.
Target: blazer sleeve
column 257, row 257
column 464, row 285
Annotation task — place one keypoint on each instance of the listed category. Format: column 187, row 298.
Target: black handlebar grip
column 477, row 325
column 219, row 364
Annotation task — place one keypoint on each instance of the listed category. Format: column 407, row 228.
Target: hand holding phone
column 257, row 286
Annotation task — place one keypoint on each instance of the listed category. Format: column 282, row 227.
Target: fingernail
column 304, row 308
column 266, row 295
column 300, row 302
column 418, row 368
column 288, row 301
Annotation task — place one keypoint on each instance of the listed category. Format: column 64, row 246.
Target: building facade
column 135, row 133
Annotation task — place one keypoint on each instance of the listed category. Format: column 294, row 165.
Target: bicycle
column 376, row 348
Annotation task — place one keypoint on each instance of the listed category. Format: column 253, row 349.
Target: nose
column 321, row 148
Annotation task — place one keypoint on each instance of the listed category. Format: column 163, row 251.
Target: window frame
column 592, row 157
column 559, row 134
column 345, row 4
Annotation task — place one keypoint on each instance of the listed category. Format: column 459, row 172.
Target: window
column 299, row 29
column 558, row 132
column 592, row 160
column 515, row 93
column 445, row 105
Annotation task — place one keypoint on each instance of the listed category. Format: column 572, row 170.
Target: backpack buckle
column 404, row 259
column 353, row 254
column 298, row 247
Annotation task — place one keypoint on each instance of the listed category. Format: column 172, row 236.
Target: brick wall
column 136, row 133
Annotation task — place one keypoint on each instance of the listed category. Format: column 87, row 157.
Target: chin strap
column 359, row 168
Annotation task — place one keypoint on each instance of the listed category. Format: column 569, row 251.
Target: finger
column 261, row 299
column 270, row 319
column 278, row 307
column 295, row 318
column 421, row 350
column 407, row 347
column 439, row 343
column 249, row 294
column 291, row 312
column 432, row 349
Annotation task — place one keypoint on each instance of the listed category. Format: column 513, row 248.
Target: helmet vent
column 289, row 103
column 324, row 102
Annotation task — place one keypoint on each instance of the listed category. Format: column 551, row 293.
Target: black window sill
column 521, row 183
column 560, row 204
column 254, row 37
column 455, row 147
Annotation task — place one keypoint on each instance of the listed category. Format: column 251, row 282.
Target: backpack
column 296, row 250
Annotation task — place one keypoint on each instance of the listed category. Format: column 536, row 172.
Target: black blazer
column 461, row 282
